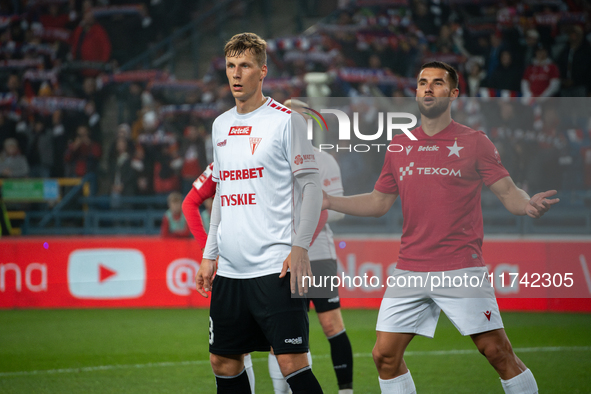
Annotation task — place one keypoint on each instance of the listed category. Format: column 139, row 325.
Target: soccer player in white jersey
column 440, row 189
column 264, row 168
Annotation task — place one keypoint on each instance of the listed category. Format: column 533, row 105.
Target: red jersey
column 539, row 77
column 439, row 180
column 203, row 188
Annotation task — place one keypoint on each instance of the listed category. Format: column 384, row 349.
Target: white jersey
column 256, row 156
column 330, row 176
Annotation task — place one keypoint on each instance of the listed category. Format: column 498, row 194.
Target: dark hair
column 453, row 74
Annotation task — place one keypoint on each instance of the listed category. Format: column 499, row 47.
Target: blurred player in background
column 261, row 161
column 440, row 190
column 323, row 259
column 174, row 224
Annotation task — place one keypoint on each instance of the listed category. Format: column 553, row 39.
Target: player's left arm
column 518, row 202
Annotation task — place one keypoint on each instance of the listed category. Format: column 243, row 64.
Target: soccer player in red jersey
column 439, row 178
column 203, row 188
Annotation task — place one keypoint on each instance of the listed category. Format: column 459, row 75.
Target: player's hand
column 539, row 204
column 325, row 201
column 204, row 276
column 299, row 264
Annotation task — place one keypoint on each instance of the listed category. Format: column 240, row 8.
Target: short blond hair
column 247, row 42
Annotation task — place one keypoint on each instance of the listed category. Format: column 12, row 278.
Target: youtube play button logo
column 103, row 274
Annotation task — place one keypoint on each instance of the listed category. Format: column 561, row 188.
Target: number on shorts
column 210, row 331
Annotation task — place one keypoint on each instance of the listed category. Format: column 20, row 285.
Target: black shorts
column 249, row 315
column 323, row 297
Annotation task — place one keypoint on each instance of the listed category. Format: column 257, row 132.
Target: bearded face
column 432, row 107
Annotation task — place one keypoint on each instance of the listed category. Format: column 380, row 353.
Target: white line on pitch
column 315, row 356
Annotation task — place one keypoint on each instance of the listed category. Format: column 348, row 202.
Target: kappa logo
column 294, row 341
column 223, row 143
column 406, row 170
column 254, row 143
column 487, row 314
column 240, row 130
column 298, row 160
column 408, row 149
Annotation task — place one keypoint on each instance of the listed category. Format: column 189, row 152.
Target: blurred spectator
column 160, row 155
column 13, row 84
column 508, row 75
column 166, row 170
column 82, row 157
column 174, row 223
column 59, row 142
column 528, row 51
column 494, row 53
column 12, row 163
column 475, row 77
column 574, row 63
column 54, row 18
column 92, row 119
column 123, row 132
column 193, row 154
column 542, row 78
column 123, row 177
column 40, row 150
column 90, row 42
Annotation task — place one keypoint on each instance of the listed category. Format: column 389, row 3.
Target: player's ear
column 264, row 70
column 454, row 94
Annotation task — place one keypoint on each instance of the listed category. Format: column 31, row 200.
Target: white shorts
column 419, row 315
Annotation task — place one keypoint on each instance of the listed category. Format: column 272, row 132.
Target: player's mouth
column 428, row 99
column 236, row 87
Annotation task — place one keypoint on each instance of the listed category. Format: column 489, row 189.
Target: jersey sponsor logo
column 408, row 170
column 326, row 182
column 237, row 175
column 240, row 130
column 254, row 144
column 454, row 149
column 223, row 143
column 432, row 148
column 408, row 149
column 103, row 274
column 439, row 171
column 294, row 341
column 238, row 199
column 301, row 159
column 487, row 314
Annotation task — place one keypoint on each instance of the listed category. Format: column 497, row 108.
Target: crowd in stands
column 60, row 60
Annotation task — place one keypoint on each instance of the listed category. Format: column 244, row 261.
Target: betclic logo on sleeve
column 106, row 274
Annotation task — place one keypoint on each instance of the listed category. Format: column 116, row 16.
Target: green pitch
column 165, row 351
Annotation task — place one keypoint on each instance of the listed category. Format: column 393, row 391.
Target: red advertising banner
column 88, row 272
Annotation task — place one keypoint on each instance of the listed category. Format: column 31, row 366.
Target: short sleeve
column 302, row 153
column 386, row 183
column 488, row 161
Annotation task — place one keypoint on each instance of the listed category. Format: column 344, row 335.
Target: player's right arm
column 207, row 269
column 374, row 204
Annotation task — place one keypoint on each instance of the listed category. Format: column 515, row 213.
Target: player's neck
column 251, row 104
column 433, row 126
